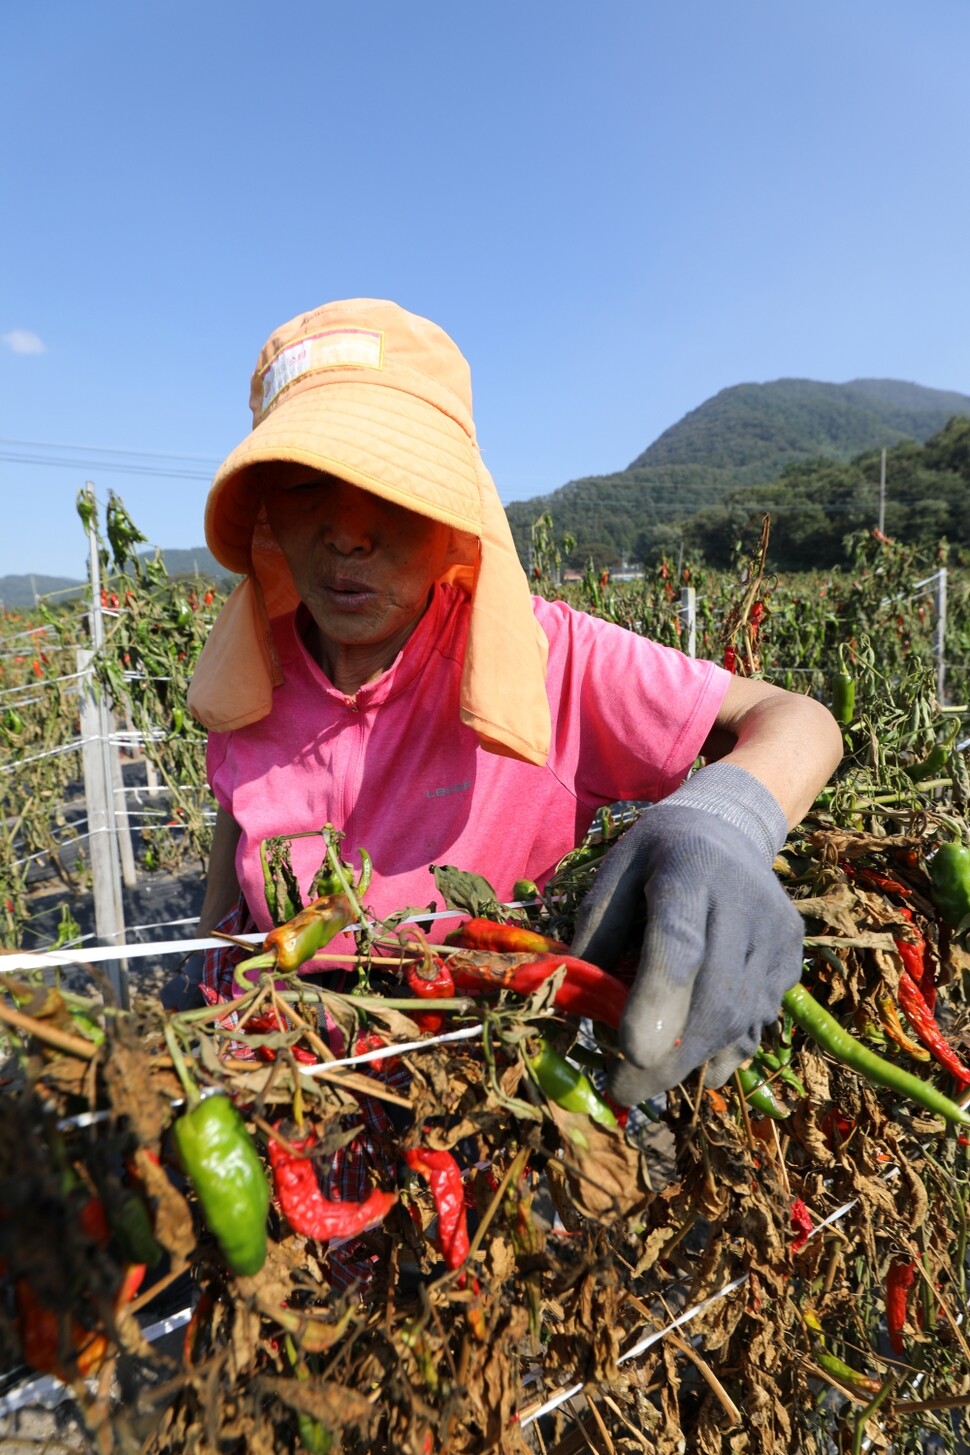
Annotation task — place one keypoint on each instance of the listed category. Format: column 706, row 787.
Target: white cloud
column 22, row 341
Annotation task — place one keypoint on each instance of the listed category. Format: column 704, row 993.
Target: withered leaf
column 603, row 1169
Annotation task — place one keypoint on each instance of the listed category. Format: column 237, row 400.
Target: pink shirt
column 397, row 772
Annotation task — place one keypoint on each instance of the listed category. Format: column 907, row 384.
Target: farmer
column 383, row 667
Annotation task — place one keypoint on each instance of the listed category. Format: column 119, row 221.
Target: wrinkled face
column 363, row 566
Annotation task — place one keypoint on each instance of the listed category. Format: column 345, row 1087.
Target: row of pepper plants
column 810, row 631
column 373, row 1260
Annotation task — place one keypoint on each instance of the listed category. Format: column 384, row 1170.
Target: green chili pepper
column 269, row 883
column 307, row 932
column 132, row 1226
column 826, row 1032
column 950, row 880
column 566, row 1085
column 936, row 759
column 525, row 889
column 843, row 1372
column 759, row 1095
column 280, row 885
column 843, row 698
column 220, row 1159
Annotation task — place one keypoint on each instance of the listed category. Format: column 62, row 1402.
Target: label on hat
column 336, row 348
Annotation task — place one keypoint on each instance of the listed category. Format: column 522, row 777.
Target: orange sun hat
column 380, row 397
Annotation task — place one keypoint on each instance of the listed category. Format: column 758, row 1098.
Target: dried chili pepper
column 826, row 1031
column 872, row 879
column 220, row 1159
column 949, row 871
column 566, row 1085
column 899, row 1280
column 893, row 1027
column 303, row 1203
column 443, row 1176
column 307, row 932
column 924, row 1023
column 487, row 934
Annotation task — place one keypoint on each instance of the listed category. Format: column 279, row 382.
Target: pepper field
column 776, row 1270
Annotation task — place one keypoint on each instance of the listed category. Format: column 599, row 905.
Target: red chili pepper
column 304, row 1205
column 730, row 659
column 872, row 880
column 912, row 952
column 265, row 1023
column 93, row 1220
column 836, row 1128
column 57, row 1343
column 443, row 1176
column 802, row 1225
column 487, row 934
column 586, row 990
column 429, row 979
column 374, row 1041
column 921, row 1018
column 899, row 1280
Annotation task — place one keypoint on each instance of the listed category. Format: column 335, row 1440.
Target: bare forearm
column 790, row 742
column 222, row 883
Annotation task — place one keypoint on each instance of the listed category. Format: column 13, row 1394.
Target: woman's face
column 363, row 567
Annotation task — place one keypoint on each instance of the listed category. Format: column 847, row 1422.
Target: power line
column 108, row 450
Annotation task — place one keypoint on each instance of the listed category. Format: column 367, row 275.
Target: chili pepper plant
column 394, row 1241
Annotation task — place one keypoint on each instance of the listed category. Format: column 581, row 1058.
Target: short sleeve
column 629, row 716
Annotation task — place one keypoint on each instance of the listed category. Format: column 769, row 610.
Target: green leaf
column 461, row 889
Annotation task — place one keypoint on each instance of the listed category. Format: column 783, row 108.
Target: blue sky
column 615, row 208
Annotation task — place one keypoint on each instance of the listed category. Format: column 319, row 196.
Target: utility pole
column 882, row 495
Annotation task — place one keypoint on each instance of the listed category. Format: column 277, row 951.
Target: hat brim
column 373, row 435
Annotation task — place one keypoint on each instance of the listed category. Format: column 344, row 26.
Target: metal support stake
column 939, row 637
column 100, row 790
column 688, row 612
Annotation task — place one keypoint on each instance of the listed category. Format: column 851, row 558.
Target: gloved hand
column 723, row 941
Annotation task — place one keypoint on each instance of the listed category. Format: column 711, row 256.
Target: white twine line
column 49, row 959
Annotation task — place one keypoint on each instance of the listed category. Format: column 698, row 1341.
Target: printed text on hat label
column 335, row 348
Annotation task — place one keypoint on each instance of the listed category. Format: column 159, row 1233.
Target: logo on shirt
column 451, row 788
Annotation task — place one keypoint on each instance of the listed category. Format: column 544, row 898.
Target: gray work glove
column 723, row 941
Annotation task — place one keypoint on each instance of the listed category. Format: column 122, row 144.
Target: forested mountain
column 815, row 505
column 746, row 435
